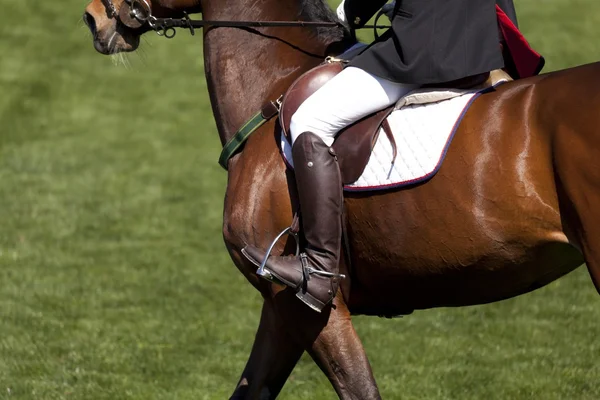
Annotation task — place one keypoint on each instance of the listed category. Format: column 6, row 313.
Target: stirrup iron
column 261, row 271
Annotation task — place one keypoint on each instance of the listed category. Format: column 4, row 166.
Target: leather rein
column 135, row 14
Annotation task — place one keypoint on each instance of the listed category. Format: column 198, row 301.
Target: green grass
column 114, row 280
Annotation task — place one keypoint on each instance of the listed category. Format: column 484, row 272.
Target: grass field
column 114, row 280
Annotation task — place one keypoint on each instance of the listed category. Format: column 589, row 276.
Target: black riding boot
column 313, row 274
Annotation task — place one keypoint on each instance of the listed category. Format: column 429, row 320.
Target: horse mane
column 319, row 10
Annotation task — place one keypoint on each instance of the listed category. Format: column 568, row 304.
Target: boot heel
column 310, row 301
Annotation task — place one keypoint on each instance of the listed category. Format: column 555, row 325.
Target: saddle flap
column 354, row 144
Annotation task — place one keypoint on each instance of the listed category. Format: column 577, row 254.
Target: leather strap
column 268, row 111
column 390, row 135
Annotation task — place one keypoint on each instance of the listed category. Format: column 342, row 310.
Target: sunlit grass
column 114, row 280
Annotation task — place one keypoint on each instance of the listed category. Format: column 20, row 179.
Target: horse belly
column 422, row 271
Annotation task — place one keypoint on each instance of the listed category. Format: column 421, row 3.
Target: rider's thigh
column 345, row 99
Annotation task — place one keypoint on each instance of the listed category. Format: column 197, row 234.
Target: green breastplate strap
column 259, row 119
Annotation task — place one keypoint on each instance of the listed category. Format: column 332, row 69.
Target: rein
column 136, row 13
column 166, row 26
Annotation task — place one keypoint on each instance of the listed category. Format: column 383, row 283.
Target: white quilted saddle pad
column 423, row 125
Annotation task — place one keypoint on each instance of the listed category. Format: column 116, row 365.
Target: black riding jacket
column 432, row 41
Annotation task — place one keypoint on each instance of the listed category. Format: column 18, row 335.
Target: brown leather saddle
column 353, row 145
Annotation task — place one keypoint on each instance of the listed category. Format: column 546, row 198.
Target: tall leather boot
column 313, row 274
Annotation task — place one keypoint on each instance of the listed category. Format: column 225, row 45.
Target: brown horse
column 512, row 208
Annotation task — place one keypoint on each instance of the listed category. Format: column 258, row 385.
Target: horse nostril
column 89, row 20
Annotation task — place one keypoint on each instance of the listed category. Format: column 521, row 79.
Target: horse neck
column 245, row 69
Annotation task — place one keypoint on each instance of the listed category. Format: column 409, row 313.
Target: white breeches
column 348, row 97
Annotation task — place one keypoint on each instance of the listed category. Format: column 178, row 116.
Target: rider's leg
column 348, row 97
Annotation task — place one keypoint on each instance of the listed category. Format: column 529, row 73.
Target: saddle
column 353, row 145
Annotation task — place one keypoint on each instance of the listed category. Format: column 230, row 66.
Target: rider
column 431, row 42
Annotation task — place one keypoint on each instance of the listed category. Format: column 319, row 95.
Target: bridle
column 135, row 14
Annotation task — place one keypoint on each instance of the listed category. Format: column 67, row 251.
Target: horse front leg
column 274, row 355
column 339, row 353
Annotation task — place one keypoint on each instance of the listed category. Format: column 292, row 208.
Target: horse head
column 117, row 25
